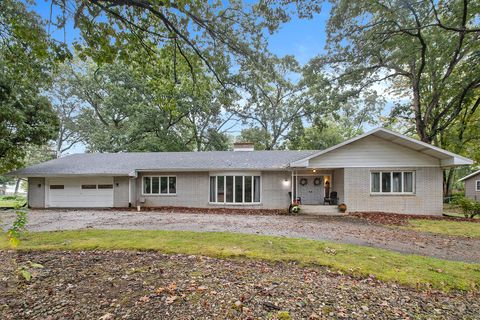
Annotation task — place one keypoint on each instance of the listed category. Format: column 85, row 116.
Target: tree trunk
column 447, row 182
column 17, row 186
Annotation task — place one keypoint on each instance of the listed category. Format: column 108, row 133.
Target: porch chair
column 332, row 199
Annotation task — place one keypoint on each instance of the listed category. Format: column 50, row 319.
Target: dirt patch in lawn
column 147, row 285
column 401, row 219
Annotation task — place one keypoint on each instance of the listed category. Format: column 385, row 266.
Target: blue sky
column 301, row 38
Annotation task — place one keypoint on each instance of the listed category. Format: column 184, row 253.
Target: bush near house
column 469, row 207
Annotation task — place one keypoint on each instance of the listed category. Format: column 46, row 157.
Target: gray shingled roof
column 126, row 163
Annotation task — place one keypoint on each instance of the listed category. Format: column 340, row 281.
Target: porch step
column 320, row 210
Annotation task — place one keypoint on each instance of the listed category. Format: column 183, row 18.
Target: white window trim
column 391, row 182
column 476, row 185
column 243, row 203
column 159, row 186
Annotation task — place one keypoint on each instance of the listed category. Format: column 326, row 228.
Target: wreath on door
column 303, row 181
column 317, row 181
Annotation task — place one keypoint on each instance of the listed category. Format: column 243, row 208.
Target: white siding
column 36, row 192
column 373, row 152
column 120, row 194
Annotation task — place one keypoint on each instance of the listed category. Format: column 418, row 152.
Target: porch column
column 292, row 188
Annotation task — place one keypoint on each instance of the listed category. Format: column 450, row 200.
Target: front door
column 310, row 189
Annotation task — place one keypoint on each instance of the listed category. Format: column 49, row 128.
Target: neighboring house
column 472, row 185
column 377, row 171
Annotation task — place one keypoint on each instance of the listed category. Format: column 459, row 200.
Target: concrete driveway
column 344, row 229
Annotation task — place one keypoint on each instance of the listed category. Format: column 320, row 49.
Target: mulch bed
column 241, row 211
column 149, row 285
column 401, row 219
column 170, row 209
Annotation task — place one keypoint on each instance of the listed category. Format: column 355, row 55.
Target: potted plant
column 295, row 206
column 342, row 207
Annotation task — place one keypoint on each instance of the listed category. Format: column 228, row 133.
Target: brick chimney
column 243, row 146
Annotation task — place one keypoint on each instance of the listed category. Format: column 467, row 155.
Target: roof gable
column 415, row 152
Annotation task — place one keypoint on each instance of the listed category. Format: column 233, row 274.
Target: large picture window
column 392, row 182
column 163, row 185
column 235, row 189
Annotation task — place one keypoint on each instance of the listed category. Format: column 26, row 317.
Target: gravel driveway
column 344, row 229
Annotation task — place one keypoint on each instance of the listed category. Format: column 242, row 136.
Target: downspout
column 129, row 192
column 132, row 176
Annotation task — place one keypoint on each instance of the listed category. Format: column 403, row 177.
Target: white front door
column 311, row 189
column 81, row 192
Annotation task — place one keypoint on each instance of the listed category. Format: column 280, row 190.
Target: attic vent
column 243, row 146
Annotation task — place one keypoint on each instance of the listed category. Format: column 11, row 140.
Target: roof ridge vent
column 243, row 146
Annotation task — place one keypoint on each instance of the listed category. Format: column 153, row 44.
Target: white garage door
column 79, row 192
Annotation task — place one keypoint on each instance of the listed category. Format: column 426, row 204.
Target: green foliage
column 216, row 32
column 411, row 270
column 295, row 209
column 470, row 208
column 18, row 227
column 322, row 135
column 133, row 107
column 273, row 101
column 25, row 271
column 27, row 55
column 24, row 119
column 422, row 53
column 258, row 136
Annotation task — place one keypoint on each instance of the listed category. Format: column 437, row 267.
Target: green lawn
column 12, row 201
column 410, row 270
column 452, row 228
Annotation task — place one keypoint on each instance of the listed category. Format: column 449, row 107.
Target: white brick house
column 378, row 171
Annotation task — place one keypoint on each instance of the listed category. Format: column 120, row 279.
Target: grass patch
column 12, row 201
column 386, row 265
column 451, row 228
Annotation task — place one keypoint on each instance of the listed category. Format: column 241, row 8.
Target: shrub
column 456, row 198
column 469, row 207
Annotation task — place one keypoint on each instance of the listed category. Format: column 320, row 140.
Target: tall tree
column 68, row 107
column 322, row 134
column 27, row 56
column 275, row 97
column 139, row 107
column 425, row 52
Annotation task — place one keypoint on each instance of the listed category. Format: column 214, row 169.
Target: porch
column 319, row 189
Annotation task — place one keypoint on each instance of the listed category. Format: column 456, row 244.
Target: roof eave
column 469, row 176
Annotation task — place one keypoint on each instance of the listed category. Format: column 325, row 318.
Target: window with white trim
column 392, row 182
column 162, row 185
column 235, row 189
column 477, row 185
